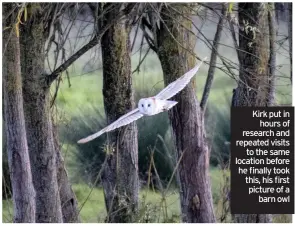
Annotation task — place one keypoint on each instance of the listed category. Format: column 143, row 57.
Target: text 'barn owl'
column 151, row 105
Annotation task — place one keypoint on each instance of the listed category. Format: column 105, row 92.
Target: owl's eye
column 149, row 105
column 142, row 105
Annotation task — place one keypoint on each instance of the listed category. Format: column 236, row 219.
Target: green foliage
column 90, row 156
column 152, row 135
column 218, row 133
column 230, row 7
column 151, row 210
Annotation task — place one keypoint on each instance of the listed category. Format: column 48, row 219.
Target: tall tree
column 253, row 87
column 55, row 199
column 49, row 174
column 174, row 43
column 272, row 25
column 17, row 148
column 38, row 119
column 120, row 176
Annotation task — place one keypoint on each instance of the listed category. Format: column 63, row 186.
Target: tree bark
column 69, row 204
column 120, row 177
column 38, row 121
column 253, row 88
column 18, row 155
column 186, row 117
column 272, row 54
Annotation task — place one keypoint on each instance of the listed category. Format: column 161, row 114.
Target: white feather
column 175, row 87
column 122, row 121
column 171, row 90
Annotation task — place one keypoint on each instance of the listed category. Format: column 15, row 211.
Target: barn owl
column 151, row 105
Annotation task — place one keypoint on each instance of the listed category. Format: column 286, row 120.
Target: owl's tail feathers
column 169, row 104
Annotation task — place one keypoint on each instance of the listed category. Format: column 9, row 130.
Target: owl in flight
column 151, row 105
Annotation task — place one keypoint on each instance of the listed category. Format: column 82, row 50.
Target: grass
column 150, row 202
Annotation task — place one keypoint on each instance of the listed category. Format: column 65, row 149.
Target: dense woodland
column 69, row 69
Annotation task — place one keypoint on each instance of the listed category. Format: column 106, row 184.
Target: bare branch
column 211, row 70
column 149, row 39
column 135, row 37
column 272, row 54
column 232, row 30
column 141, row 61
column 50, row 78
column 145, row 22
column 153, row 17
column 230, row 72
column 55, row 92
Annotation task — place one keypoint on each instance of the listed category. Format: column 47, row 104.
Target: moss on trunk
column 186, row 117
column 38, row 122
column 120, row 177
column 253, row 88
column 23, row 194
column 55, row 200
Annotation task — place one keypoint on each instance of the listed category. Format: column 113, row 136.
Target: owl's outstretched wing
column 178, row 85
column 122, row 121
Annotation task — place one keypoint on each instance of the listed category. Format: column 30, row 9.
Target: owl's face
column 146, row 106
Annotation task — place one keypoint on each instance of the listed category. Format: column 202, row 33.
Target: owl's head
column 146, row 106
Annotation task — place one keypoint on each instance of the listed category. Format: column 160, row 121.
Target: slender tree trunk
column 18, row 155
column 213, row 58
column 277, row 12
column 38, row 121
column 253, row 88
column 272, row 53
column 186, row 117
column 120, row 177
column 69, row 204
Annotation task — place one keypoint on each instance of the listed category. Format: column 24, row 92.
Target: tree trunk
column 120, row 177
column 38, row 121
column 18, row 155
column 253, row 88
column 272, row 54
column 69, row 204
column 186, row 117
